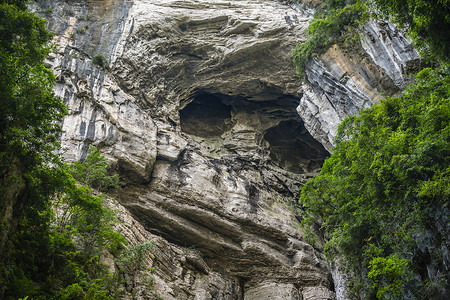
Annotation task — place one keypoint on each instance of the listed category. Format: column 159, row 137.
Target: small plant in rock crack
column 100, row 61
column 47, row 12
column 132, row 262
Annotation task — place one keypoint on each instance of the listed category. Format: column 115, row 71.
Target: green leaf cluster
column 30, row 113
column 389, row 275
column 334, row 23
column 383, row 196
column 131, row 259
column 30, row 117
column 54, row 228
column 92, row 171
column 63, row 231
column 100, row 61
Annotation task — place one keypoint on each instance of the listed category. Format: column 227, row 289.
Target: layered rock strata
column 198, row 111
column 347, row 79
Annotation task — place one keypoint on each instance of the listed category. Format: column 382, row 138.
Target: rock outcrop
column 347, row 79
column 198, row 111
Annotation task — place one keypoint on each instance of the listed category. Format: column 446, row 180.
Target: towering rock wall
column 201, row 113
column 347, row 79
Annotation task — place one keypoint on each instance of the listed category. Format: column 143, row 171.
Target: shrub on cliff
column 100, row 61
column 92, row 171
column 383, row 195
column 333, row 23
column 44, row 253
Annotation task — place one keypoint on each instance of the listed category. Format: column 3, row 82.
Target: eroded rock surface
column 198, row 111
column 345, row 80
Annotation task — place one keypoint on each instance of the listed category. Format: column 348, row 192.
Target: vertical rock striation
column 345, row 80
column 201, row 113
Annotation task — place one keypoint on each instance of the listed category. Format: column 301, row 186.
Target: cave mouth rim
column 276, row 135
column 289, row 144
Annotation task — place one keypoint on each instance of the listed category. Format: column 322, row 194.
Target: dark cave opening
column 206, row 116
column 293, row 148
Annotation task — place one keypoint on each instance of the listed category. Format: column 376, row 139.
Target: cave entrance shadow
column 293, row 148
column 206, row 116
column 289, row 144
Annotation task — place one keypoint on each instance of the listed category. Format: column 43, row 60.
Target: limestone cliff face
column 202, row 115
column 344, row 80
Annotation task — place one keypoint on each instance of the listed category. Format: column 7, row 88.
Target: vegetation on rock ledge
column 54, row 227
column 383, row 196
column 337, row 21
column 333, row 23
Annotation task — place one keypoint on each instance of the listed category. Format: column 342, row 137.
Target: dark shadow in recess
column 293, row 148
column 206, row 116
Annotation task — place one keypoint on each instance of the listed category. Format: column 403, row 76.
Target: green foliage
column 20, row 4
column 389, row 275
column 336, row 21
column 386, row 189
column 52, row 229
column 100, row 61
column 56, row 251
column 30, row 113
column 48, row 12
column 427, row 22
column 92, row 171
column 131, row 259
column 328, row 28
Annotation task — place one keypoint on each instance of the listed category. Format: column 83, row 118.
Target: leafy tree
column 52, row 229
column 30, row 111
column 383, row 196
column 60, row 237
column 29, row 121
column 92, row 171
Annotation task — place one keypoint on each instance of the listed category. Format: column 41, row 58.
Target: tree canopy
column 53, row 229
column 383, row 195
column 30, row 112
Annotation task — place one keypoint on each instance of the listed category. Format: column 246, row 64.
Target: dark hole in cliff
column 206, row 116
column 293, row 148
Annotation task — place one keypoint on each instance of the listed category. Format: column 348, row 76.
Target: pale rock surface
column 345, row 80
column 273, row 291
column 198, row 112
column 180, row 273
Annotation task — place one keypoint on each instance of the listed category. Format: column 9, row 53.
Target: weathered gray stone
column 344, row 81
column 180, row 273
column 317, row 293
column 272, row 291
column 202, row 115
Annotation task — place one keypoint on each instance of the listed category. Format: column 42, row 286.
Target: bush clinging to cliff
column 383, row 196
